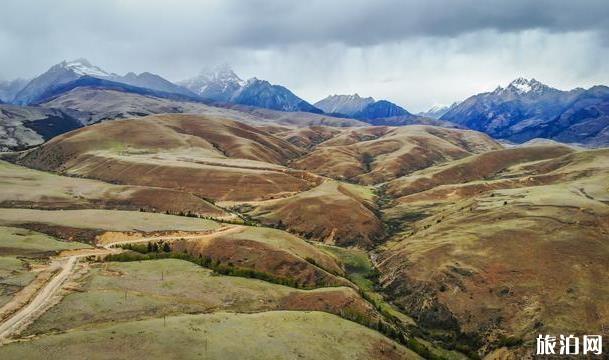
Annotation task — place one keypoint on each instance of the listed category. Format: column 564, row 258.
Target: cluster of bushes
column 253, row 274
column 137, row 256
column 421, row 349
column 150, row 247
column 379, row 325
column 382, row 198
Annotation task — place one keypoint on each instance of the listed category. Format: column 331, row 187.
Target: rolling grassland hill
column 437, row 240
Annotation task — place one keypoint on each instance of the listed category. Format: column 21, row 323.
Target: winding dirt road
column 44, row 297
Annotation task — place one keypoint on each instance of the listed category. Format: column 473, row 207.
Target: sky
column 417, row 53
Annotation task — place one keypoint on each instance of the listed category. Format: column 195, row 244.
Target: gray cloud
column 360, row 22
column 414, row 52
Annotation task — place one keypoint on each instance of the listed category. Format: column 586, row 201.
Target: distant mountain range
column 344, row 104
column 70, row 74
column 529, row 109
column 217, row 84
column 381, row 112
column 523, row 110
column 8, row 89
column 223, row 85
column 437, row 111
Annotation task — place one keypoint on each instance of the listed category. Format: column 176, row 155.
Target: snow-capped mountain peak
column 221, row 84
column 217, row 83
column 252, row 80
column 522, row 86
column 220, row 74
column 83, row 67
column 59, row 74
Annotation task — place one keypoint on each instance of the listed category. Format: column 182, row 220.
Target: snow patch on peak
column 83, row 67
column 220, row 74
column 217, row 83
column 523, row 86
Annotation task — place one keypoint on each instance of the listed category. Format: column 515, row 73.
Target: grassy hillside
column 279, row 334
column 523, row 253
column 23, row 187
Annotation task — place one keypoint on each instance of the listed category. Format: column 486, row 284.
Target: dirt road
column 44, row 298
column 18, row 319
column 223, row 230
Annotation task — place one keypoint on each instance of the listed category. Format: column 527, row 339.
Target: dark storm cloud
column 371, row 22
column 260, row 23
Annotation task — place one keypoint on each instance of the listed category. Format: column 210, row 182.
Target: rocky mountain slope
column 88, row 100
column 528, row 109
column 60, row 76
column 8, row 89
column 222, row 85
column 343, row 104
column 218, row 84
column 22, row 126
column 373, row 112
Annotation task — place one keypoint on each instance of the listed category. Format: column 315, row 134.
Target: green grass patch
column 22, row 240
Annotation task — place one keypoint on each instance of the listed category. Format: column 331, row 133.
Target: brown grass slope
column 207, row 156
column 28, row 188
column 332, row 212
column 512, row 260
column 303, row 137
column 284, row 256
column 377, row 154
column 478, row 167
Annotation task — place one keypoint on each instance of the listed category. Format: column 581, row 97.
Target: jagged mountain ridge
column 58, row 74
column 218, row 84
column 343, row 104
column 437, row 111
column 66, row 72
column 222, row 85
column 365, row 109
column 94, row 82
column 153, row 82
column 381, row 109
column 528, row 109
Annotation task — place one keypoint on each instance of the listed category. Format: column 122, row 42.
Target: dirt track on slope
column 66, row 263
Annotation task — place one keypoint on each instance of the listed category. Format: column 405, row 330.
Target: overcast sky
column 417, row 53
